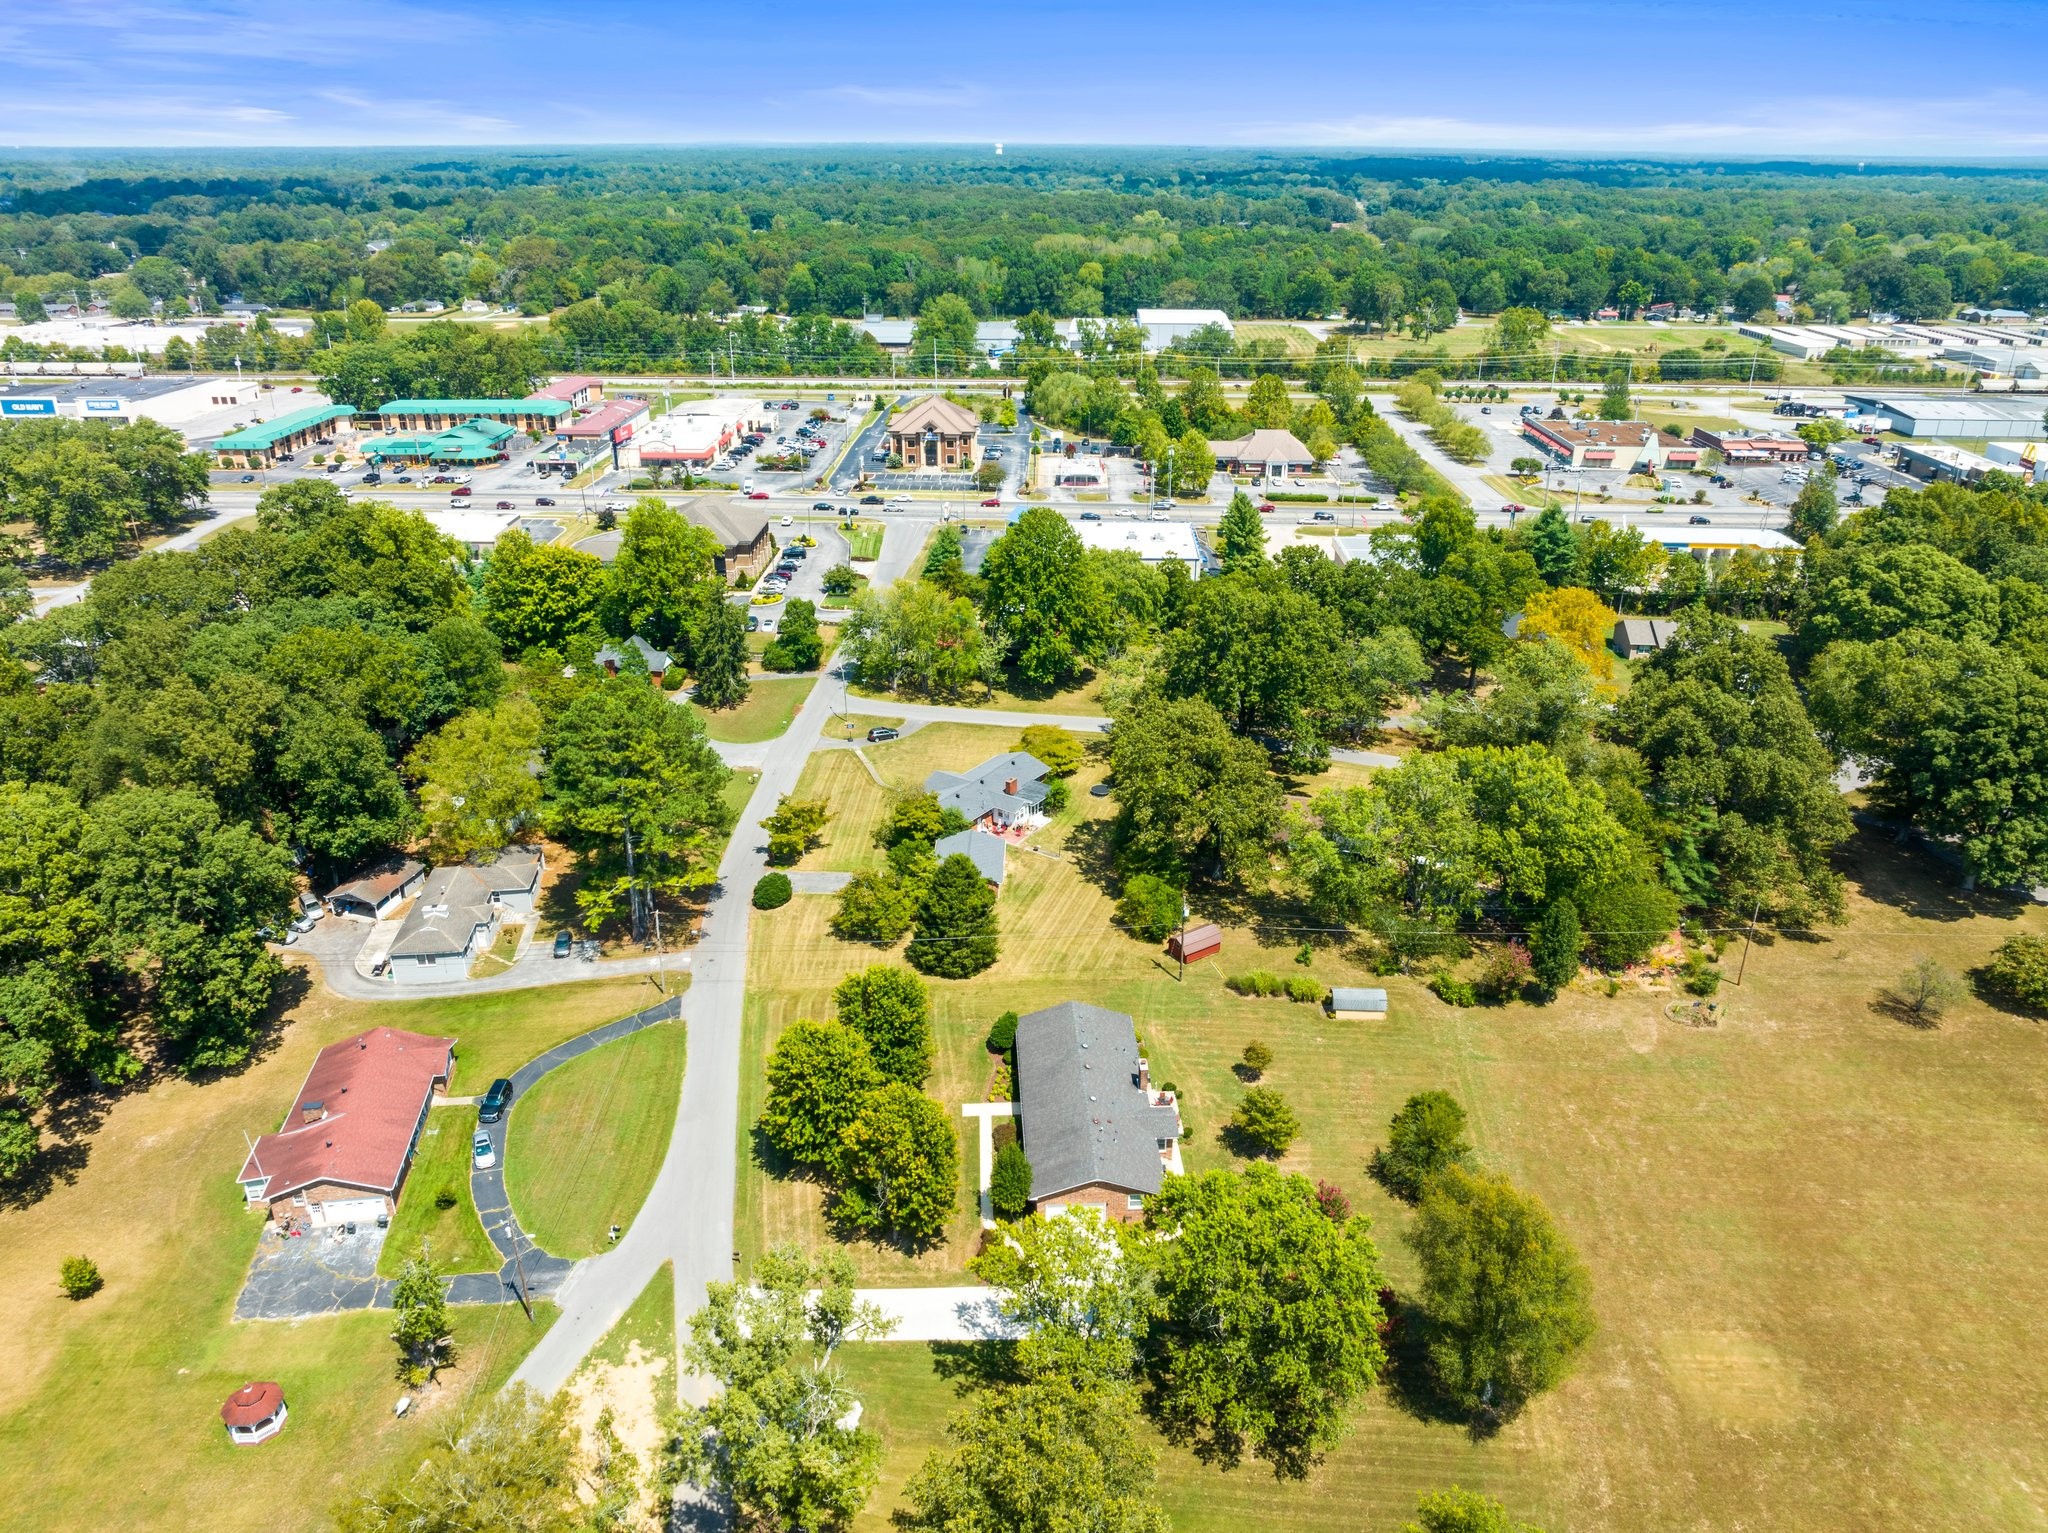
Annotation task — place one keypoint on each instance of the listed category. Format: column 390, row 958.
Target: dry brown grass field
column 1813, row 1230
column 108, row 1407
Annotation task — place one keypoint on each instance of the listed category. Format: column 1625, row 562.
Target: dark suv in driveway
column 496, row 1100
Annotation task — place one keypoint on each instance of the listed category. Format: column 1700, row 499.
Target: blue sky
column 1958, row 79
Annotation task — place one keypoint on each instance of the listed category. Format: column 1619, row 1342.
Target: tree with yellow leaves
column 1576, row 618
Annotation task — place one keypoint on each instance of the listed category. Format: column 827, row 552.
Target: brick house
column 1632, row 446
column 935, row 433
column 1094, row 1129
column 344, row 1149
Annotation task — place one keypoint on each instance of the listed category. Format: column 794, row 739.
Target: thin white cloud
column 2003, row 123
column 904, row 96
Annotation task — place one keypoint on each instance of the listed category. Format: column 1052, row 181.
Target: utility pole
column 518, row 1257
column 1748, row 941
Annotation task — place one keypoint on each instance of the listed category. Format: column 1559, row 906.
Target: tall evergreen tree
column 956, row 922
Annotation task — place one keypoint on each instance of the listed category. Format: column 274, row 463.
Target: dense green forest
column 635, row 253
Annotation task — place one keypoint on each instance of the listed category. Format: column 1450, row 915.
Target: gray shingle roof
column 981, row 791
column 656, row 660
column 455, row 900
column 1085, row 1118
column 985, row 851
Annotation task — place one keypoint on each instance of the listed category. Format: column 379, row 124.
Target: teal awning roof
column 265, row 435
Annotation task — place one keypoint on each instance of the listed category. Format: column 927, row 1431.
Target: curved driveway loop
column 326, row 1274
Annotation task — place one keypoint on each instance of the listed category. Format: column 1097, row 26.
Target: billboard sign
column 28, row 407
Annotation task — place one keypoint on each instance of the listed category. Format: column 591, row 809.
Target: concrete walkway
column 819, row 883
column 964, row 1313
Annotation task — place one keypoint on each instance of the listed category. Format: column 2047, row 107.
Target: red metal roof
column 567, row 388
column 371, row 1090
column 255, row 1401
column 599, row 422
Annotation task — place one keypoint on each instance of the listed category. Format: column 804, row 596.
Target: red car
column 1265, row 508
column 460, row 491
column 506, row 505
column 994, row 502
column 758, row 495
column 1873, row 441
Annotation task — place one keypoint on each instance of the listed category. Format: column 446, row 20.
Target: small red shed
column 1204, row 941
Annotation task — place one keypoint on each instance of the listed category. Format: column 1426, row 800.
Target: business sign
column 28, row 407
column 103, row 407
column 622, row 434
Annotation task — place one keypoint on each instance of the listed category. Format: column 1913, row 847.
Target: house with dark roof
column 1096, row 1131
column 986, row 852
column 348, row 1140
column 657, row 661
column 741, row 528
column 1642, row 635
column 458, row 912
column 376, row 891
column 1003, row 793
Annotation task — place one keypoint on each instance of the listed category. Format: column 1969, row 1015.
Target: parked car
column 543, row 500
column 788, row 520
column 304, row 924
column 298, row 388
column 1486, row 409
column 496, row 1100
column 482, row 1152
column 880, row 733
column 563, row 942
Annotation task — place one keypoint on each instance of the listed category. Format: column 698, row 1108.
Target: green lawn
column 649, row 1320
column 1811, row 1230
column 1368, row 1486
column 496, row 1034
column 585, row 1143
column 860, row 804
column 865, row 540
column 152, row 1199
column 455, row 1235
column 766, row 713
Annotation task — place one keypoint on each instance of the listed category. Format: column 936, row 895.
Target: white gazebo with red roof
column 254, row 1413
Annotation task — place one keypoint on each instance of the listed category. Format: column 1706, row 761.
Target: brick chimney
column 312, row 1112
column 1144, row 1073
column 1010, row 786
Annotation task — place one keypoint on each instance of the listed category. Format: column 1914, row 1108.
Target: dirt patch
column 637, row 1394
